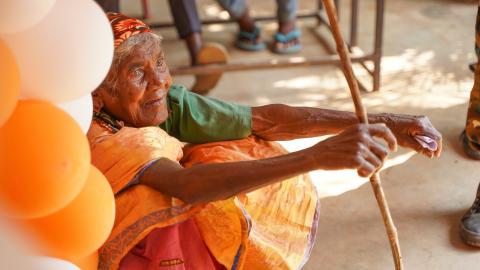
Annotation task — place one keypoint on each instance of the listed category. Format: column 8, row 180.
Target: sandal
column 470, row 148
column 283, row 42
column 210, row 53
column 250, row 41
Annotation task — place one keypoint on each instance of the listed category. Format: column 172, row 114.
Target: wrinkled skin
column 142, row 87
column 356, row 148
column 139, row 100
column 405, row 127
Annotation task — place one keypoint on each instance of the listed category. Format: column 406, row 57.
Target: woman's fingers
column 440, row 147
column 370, row 158
column 426, row 128
column 356, row 148
column 366, row 169
column 422, row 150
column 374, row 153
column 437, row 137
column 382, row 131
column 415, row 145
column 373, row 159
column 378, row 150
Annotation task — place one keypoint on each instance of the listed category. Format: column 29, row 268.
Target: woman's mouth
column 155, row 102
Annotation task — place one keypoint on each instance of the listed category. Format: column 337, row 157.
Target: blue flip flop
column 248, row 40
column 286, row 38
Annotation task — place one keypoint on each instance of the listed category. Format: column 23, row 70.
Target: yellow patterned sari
column 270, row 228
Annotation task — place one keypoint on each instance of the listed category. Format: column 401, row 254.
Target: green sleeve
column 198, row 119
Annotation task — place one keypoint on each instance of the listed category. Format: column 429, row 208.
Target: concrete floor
column 427, row 47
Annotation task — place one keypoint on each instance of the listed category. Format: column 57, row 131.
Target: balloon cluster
column 53, row 53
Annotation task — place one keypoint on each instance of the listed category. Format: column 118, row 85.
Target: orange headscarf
column 125, row 27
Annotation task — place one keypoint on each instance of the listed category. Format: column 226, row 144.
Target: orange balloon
column 44, row 160
column 88, row 263
column 9, row 83
column 83, row 226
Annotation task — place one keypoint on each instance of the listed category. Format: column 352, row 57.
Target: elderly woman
column 231, row 199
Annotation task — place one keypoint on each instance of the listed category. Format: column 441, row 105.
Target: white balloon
column 67, row 54
column 81, row 110
column 14, row 247
column 18, row 15
column 49, row 263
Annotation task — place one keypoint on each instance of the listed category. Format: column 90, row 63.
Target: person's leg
column 287, row 15
column 109, row 5
column 189, row 27
column 249, row 34
column 470, row 222
column 236, row 8
column 471, row 138
column 187, row 22
column 287, row 39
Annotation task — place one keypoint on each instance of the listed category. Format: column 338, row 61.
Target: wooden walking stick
column 362, row 117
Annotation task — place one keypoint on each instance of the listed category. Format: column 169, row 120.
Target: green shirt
column 198, row 119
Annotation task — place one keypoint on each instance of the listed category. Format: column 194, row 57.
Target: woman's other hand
column 355, row 148
column 406, row 128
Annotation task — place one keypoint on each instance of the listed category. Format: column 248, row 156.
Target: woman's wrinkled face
column 140, row 98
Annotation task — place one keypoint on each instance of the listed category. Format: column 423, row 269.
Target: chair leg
column 146, row 9
column 378, row 45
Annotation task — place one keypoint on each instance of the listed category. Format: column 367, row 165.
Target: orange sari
column 270, row 228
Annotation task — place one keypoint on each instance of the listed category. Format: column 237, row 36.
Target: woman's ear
column 97, row 100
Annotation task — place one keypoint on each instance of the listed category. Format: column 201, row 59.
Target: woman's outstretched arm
column 354, row 148
column 278, row 122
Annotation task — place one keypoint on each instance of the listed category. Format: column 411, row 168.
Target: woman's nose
column 158, row 80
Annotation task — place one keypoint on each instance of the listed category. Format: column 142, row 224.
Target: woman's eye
column 161, row 63
column 139, row 73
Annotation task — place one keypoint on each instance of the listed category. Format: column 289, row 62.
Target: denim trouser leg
column 185, row 16
column 286, row 10
column 236, row 8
